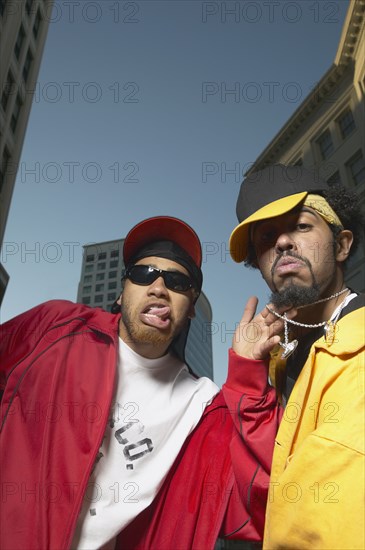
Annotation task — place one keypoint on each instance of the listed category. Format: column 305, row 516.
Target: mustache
column 290, row 255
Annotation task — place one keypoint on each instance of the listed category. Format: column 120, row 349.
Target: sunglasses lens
column 176, row 281
column 142, row 274
column 146, row 275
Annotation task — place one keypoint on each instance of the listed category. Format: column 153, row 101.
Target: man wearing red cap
column 299, row 233
column 107, row 440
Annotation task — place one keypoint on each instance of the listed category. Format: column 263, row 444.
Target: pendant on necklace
column 288, row 348
column 329, row 332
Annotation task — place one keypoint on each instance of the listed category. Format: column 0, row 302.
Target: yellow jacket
column 316, row 495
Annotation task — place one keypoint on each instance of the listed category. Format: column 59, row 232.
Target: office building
column 101, row 273
column 23, row 30
column 100, row 285
column 327, row 132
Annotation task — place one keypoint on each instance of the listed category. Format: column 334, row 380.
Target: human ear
column 117, row 305
column 191, row 311
column 343, row 244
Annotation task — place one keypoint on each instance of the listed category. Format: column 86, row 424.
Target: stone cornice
column 349, row 40
column 343, row 63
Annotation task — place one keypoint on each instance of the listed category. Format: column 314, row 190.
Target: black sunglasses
column 147, row 274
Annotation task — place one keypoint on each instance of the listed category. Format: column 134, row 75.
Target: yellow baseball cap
column 268, row 193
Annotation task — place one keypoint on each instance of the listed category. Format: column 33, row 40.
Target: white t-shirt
column 157, row 405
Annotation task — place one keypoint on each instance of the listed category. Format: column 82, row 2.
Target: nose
column 158, row 288
column 285, row 243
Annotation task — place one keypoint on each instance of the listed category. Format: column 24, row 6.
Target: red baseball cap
column 161, row 228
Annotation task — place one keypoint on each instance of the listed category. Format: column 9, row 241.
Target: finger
column 250, row 309
column 270, row 315
column 266, row 347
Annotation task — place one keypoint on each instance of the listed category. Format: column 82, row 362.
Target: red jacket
column 57, row 365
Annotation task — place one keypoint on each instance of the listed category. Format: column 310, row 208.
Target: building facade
column 101, row 273
column 23, row 30
column 327, row 132
column 100, row 285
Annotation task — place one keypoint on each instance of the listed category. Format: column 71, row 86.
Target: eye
column 303, row 226
column 267, row 236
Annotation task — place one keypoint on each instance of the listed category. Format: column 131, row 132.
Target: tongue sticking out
column 156, row 317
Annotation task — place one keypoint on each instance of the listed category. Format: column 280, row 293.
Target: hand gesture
column 256, row 335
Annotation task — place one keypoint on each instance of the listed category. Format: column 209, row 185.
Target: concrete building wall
column 23, row 30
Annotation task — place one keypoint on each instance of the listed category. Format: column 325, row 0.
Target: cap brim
column 239, row 239
column 162, row 228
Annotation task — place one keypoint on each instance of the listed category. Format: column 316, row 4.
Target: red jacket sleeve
column 256, row 415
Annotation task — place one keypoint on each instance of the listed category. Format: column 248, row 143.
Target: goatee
column 295, row 296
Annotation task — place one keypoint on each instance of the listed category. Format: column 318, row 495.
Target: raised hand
column 256, row 335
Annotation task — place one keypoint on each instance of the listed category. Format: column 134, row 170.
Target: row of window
column 355, row 167
column 87, row 301
column 5, row 159
column 99, row 287
column 101, row 276
column 10, row 85
column 28, row 4
column 10, row 88
column 346, row 124
column 102, row 265
column 103, row 256
column 99, row 298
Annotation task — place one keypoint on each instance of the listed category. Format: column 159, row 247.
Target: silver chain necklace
column 329, row 326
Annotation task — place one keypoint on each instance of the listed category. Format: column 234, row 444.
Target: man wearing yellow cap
column 299, row 233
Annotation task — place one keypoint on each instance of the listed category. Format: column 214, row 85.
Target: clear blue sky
column 146, row 108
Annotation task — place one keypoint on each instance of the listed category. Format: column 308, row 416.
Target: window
column 101, row 265
column 19, row 42
column 112, row 285
column 100, row 276
column 88, row 278
column 90, row 257
column 356, row 167
column 99, row 299
column 27, row 65
column 86, row 300
column 102, row 256
column 335, row 179
column 37, row 24
column 99, row 287
column 28, row 6
column 325, row 144
column 4, row 166
column 7, row 90
column 87, row 289
column 113, row 263
column 112, row 274
column 89, row 268
column 346, row 123
column 114, row 254
column 16, row 113
column 111, row 295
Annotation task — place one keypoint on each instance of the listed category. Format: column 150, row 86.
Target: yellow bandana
column 320, row 205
